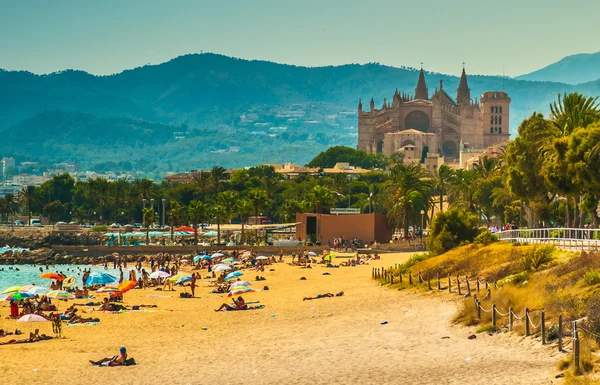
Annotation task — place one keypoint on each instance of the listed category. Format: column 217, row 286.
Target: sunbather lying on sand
column 326, row 295
column 114, row 360
column 238, row 304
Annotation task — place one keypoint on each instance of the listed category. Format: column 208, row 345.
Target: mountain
column 199, row 110
column 574, row 69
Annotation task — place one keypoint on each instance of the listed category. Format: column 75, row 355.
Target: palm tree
column 407, row 192
column 462, row 190
column 219, row 212
column 258, row 198
column 216, row 175
column 119, row 190
column 173, row 214
column 148, row 216
column 197, row 212
column 442, row 179
column 574, row 110
column 322, row 197
column 9, row 205
column 26, row 196
column 227, row 199
column 244, row 208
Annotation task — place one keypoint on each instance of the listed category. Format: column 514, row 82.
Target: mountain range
column 199, row 110
column 574, row 69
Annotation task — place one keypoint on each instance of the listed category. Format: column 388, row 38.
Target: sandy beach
column 336, row 340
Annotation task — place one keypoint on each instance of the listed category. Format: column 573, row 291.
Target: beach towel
column 84, row 324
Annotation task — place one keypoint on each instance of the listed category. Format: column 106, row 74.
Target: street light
column 370, row 196
column 422, row 220
column 164, row 201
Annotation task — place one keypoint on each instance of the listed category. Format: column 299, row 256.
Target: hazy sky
column 104, row 37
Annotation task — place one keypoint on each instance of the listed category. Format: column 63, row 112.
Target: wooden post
column 438, row 281
column 560, row 333
column 486, row 284
column 494, row 315
column 526, row 322
column 429, row 283
column 478, row 310
column 373, row 273
column 420, row 278
column 576, row 348
column 510, row 319
column 543, row 324
column 449, row 284
column 489, row 293
column 410, row 278
column 477, row 285
column 392, row 278
column 468, row 285
column 458, row 285
column 400, row 277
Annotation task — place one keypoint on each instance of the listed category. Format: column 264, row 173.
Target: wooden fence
column 473, row 287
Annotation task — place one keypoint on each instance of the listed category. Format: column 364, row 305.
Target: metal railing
column 568, row 238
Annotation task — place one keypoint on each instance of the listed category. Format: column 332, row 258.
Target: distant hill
column 574, row 69
column 203, row 109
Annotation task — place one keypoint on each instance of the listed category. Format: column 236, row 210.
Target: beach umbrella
column 26, row 288
column 126, row 286
column 108, row 289
column 17, row 296
column 206, row 257
column 183, row 280
column 221, row 267
column 210, row 234
column 159, row 274
column 229, row 260
column 185, row 229
column 60, row 294
column 261, row 258
column 217, row 255
column 312, row 253
column 240, row 284
column 100, row 279
column 199, row 257
column 233, row 275
column 68, row 282
column 52, row 276
column 32, row 318
column 329, row 257
column 240, row 290
column 177, row 276
column 11, row 289
column 38, row 290
column 184, row 261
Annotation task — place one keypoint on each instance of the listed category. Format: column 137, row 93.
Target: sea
column 20, row 275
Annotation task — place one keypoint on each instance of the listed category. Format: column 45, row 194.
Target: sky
column 513, row 37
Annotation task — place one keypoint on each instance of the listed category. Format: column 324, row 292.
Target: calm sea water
column 29, row 274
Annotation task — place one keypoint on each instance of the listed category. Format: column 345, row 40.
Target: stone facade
column 440, row 125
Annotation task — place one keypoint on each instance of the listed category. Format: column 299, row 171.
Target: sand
column 336, row 340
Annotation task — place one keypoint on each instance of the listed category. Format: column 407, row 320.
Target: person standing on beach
column 121, row 275
column 193, row 284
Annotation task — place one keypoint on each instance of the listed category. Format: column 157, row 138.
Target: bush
column 451, row 228
column 593, row 313
column 100, row 229
column 537, row 256
column 592, row 277
column 413, row 260
column 552, row 333
column 486, row 238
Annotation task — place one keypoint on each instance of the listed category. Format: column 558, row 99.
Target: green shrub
column 552, row 333
column 413, row 260
column 537, row 256
column 592, row 277
column 100, row 229
column 518, row 279
column 487, row 329
column 485, row 238
column 451, row 228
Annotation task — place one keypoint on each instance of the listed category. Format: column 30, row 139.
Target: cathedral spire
column 421, row 91
column 463, row 94
column 360, row 106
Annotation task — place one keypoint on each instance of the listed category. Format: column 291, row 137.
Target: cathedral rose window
column 417, row 120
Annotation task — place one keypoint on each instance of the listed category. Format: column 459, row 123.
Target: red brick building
column 325, row 227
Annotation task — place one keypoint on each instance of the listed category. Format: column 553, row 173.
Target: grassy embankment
column 540, row 278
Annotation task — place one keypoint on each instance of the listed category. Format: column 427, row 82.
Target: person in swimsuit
column 238, row 304
column 114, row 360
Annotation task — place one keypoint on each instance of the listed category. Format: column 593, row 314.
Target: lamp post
column 164, row 201
column 370, row 197
column 422, row 220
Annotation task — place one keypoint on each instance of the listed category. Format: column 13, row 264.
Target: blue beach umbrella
column 100, row 279
column 183, row 280
column 206, row 257
column 210, row 234
column 233, row 275
column 197, row 258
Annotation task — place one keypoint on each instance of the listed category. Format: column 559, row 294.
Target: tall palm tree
column 217, row 174
column 408, row 191
column 572, row 111
column 227, row 199
column 9, row 205
column 219, row 212
column 258, row 198
column 173, row 214
column 244, row 208
column 148, row 216
column 442, row 179
column 119, row 189
column 322, row 197
column 27, row 196
column 462, row 190
column 197, row 212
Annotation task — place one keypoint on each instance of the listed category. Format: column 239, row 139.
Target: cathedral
column 440, row 126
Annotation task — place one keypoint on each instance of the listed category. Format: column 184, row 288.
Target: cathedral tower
column 463, row 93
column 421, row 91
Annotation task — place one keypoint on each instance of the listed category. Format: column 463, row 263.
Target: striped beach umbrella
column 11, row 289
column 240, row 290
column 108, row 289
column 60, row 294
